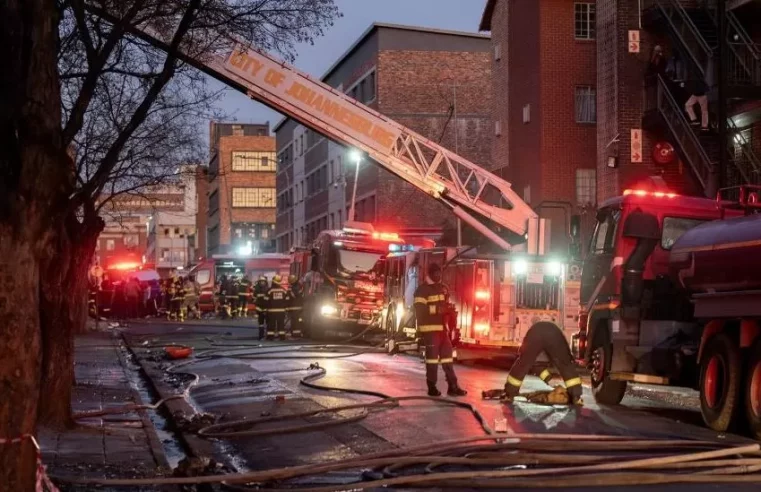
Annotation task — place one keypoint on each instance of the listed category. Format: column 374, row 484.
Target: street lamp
column 356, row 156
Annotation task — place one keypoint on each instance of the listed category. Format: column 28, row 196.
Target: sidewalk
column 123, row 445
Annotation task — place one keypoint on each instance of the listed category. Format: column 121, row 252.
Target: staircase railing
column 696, row 47
column 743, row 156
column 659, row 98
column 744, row 68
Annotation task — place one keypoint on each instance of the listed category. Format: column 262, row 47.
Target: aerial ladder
column 470, row 192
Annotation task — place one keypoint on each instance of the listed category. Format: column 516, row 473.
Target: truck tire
column 605, row 390
column 753, row 391
column 720, row 381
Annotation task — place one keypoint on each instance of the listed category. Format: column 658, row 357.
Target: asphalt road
column 246, row 382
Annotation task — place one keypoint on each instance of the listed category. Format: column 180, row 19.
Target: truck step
column 638, row 378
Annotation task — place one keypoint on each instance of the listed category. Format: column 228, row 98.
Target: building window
column 253, row 161
column 110, row 245
column 527, row 113
column 370, row 95
column 237, row 130
column 586, row 186
column 254, row 197
column 586, row 104
column 497, row 52
column 584, row 20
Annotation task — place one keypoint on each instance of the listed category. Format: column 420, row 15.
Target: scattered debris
column 194, row 423
column 314, row 365
column 199, row 467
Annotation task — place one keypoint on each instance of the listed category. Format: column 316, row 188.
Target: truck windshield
column 674, row 227
column 357, row 261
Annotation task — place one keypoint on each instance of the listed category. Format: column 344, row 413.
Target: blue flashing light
column 394, row 248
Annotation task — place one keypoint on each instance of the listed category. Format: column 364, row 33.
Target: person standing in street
column 431, row 308
column 278, row 299
column 244, row 291
column 133, row 295
column 296, row 289
column 260, row 294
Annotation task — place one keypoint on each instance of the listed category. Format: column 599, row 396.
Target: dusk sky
column 461, row 15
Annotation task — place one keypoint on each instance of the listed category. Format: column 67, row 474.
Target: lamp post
column 356, row 156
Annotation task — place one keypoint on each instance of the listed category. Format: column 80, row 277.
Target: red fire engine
column 671, row 294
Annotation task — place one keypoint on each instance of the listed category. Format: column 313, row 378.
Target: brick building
column 242, row 196
column 202, row 216
column 571, row 93
column 544, row 78
column 435, row 82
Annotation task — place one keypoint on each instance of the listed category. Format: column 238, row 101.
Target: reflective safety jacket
column 244, row 287
column 296, row 291
column 277, row 300
column 178, row 291
column 431, row 307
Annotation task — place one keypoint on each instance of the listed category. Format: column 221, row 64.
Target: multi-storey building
column 574, row 93
column 435, row 82
column 242, row 198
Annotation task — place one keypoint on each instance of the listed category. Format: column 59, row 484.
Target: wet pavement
column 261, row 380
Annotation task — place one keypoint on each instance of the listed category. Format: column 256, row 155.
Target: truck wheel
column 605, row 390
column 720, row 373
column 753, row 391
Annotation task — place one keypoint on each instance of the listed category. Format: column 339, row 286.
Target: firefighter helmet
column 276, row 279
column 292, row 279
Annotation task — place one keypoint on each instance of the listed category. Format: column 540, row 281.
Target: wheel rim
column 597, row 369
column 713, row 387
column 755, row 390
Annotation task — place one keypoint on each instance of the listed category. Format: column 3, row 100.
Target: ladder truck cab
column 671, row 294
column 496, row 298
column 343, row 284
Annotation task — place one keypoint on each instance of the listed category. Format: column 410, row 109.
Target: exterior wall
column 202, row 215
column 222, row 181
column 418, row 77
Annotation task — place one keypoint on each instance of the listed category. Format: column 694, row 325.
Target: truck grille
column 537, row 296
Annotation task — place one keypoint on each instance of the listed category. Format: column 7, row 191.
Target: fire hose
column 501, row 453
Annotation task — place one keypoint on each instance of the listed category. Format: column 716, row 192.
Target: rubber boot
column 455, row 390
column 433, row 391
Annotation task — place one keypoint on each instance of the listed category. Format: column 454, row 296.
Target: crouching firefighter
column 297, row 305
column 548, row 338
column 278, row 299
column 431, row 308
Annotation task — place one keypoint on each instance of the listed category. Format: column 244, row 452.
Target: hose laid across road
column 540, row 450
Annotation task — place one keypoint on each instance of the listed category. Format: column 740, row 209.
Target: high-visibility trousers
column 438, row 352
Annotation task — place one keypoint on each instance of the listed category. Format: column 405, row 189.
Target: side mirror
column 640, row 225
column 575, row 231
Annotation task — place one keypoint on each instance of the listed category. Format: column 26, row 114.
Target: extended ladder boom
column 461, row 185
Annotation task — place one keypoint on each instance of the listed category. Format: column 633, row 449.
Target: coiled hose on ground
column 547, row 454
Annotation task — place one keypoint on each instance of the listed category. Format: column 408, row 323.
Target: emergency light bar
column 656, row 194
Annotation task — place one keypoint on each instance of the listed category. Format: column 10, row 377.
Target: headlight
column 328, row 310
column 554, row 268
column 520, row 267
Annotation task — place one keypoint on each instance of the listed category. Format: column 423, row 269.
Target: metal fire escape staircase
column 478, row 197
column 694, row 35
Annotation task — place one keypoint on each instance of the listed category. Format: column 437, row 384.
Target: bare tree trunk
column 63, row 312
column 19, row 357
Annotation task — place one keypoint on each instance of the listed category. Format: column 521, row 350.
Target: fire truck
column 208, row 272
column 671, row 295
column 477, row 197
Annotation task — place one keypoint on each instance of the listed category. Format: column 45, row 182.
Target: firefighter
column 260, row 293
column 277, row 301
column 548, row 338
column 244, row 291
column 192, row 291
column 297, row 304
column 171, row 290
column 431, row 311
column 224, row 306
column 177, row 299
column 231, row 293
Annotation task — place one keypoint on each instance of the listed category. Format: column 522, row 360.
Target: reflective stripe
column 447, row 361
column 421, row 300
column 296, row 332
column 432, row 361
column 514, row 382
column 281, row 333
column 276, row 310
column 438, row 297
column 295, row 308
column 572, row 382
column 545, row 375
column 259, row 309
column 427, row 328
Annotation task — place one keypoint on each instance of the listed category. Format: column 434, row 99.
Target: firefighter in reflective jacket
column 260, row 294
column 548, row 338
column 431, row 308
column 277, row 301
column 178, row 299
column 244, row 291
column 297, row 304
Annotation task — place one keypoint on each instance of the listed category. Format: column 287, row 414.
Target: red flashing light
column 483, row 295
column 655, row 194
column 386, row 236
column 125, row 266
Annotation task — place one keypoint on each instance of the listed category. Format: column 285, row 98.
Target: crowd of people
column 278, row 308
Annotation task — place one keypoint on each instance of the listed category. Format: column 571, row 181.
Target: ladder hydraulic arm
column 464, row 187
